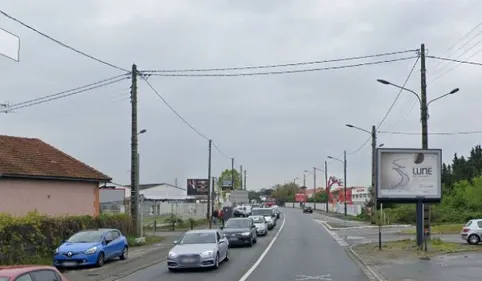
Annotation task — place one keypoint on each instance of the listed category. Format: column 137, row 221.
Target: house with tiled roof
column 37, row 176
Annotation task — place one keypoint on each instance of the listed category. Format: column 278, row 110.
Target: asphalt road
column 240, row 261
column 303, row 250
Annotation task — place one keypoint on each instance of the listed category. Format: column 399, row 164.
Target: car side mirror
column 221, row 227
column 273, row 215
column 175, row 242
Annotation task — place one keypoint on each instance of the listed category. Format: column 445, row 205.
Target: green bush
column 31, row 238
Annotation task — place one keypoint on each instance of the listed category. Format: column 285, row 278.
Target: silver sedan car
column 199, row 249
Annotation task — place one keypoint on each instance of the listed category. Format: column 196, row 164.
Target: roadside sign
column 9, row 45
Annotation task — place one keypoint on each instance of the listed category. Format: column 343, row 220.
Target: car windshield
column 258, row 219
column 244, row 223
column 261, row 212
column 198, row 238
column 86, row 237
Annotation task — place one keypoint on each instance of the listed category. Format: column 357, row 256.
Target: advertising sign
column 227, row 185
column 409, row 175
column 9, row 45
column 301, row 197
column 197, row 187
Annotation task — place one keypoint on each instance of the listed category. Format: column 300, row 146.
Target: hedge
column 33, row 238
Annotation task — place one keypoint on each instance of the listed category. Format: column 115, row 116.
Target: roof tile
column 31, row 157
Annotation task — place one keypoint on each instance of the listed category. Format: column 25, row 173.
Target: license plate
column 233, row 238
column 69, row 263
column 188, row 260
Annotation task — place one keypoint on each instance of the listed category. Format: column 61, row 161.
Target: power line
column 61, row 43
column 389, row 109
column 454, row 60
column 181, row 117
column 277, row 65
column 439, row 133
column 280, row 72
column 399, row 93
column 63, row 94
column 71, row 90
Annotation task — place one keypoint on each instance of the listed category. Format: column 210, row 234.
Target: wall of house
column 55, row 198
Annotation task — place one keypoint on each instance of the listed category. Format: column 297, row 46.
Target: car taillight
column 465, row 229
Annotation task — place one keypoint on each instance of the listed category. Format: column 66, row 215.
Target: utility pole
column 232, row 172
column 241, row 177
column 374, row 174
column 314, row 188
column 304, row 181
column 424, row 213
column 134, row 152
column 344, row 179
column 244, row 180
column 209, row 215
column 326, row 186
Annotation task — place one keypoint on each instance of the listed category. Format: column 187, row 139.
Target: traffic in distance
column 209, row 248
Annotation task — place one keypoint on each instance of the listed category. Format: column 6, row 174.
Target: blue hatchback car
column 91, row 247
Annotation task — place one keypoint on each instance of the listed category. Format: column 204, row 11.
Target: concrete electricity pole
column 134, row 152
column 326, row 186
column 241, row 177
column 344, row 179
column 314, row 188
column 232, row 172
column 209, row 215
column 244, row 180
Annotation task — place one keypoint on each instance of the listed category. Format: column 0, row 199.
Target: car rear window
column 468, row 223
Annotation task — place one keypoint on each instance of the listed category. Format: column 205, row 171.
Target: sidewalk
column 139, row 258
column 395, row 265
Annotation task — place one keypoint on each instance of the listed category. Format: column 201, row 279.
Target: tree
column 227, row 175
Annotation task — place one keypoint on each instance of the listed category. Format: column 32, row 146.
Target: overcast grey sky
column 276, row 126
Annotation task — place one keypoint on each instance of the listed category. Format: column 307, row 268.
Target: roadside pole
column 210, row 209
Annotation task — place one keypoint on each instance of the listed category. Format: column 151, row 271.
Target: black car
column 240, row 231
column 308, row 210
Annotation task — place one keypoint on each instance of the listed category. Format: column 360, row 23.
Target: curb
column 369, row 271
column 361, row 227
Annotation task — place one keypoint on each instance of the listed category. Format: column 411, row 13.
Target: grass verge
column 150, row 240
column 440, row 229
column 407, row 249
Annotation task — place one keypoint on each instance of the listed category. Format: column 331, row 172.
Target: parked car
column 201, row 248
column 472, row 231
column 277, row 211
column 240, row 231
column 307, row 210
column 30, row 273
column 91, row 247
column 261, row 225
column 268, row 215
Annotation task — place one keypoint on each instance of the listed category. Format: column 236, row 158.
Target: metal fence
column 159, row 212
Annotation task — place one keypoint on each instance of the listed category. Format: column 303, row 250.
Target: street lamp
column 294, row 180
column 373, row 192
column 422, row 99
column 344, row 175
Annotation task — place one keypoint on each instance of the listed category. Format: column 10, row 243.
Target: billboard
column 197, row 187
column 301, row 197
column 9, row 45
column 409, row 175
column 227, row 185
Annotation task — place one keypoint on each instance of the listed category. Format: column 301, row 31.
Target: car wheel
column 473, row 239
column 171, row 269
column 125, row 253
column 100, row 260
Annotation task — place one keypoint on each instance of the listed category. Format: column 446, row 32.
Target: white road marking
column 260, row 259
column 333, row 234
column 325, row 277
